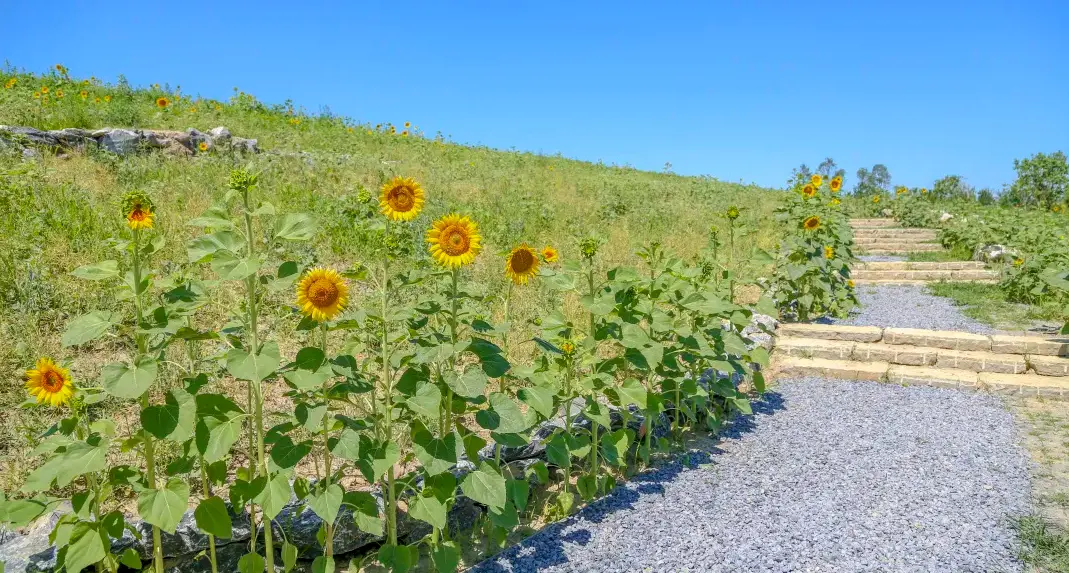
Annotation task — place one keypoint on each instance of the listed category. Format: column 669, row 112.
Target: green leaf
column 323, row 564
column 598, row 413
column 287, row 454
column 539, row 398
column 518, row 493
column 231, row 267
column 379, row 460
column 365, row 511
column 490, row 355
column 129, row 381
column 557, row 452
column 446, row 556
column 485, row 486
column 399, row 558
column 78, row 458
column 130, row 558
column 255, row 367
column 289, row 556
column 506, row 518
column 275, row 496
column 213, row 518
column 20, row 512
column 215, row 217
column 98, row 271
column 614, row 446
column 251, row 563
column 347, row 445
column 203, row 247
column 504, row 415
column 632, row 392
column 164, row 507
column 436, row 455
column 172, row 420
column 471, row 384
column 426, row 402
column 429, row 509
column 295, row 227
column 327, row 502
column 88, row 327
column 85, row 548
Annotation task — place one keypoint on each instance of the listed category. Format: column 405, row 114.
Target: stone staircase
column 1005, row 364
column 886, row 237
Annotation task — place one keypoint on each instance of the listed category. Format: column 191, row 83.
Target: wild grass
column 59, row 212
column 987, row 303
column 1045, row 547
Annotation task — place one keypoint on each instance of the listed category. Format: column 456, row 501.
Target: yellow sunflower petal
column 49, row 383
column 322, row 294
column 521, row 264
column 454, row 241
column 401, row 199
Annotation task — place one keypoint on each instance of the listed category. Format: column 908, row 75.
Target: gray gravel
column 909, row 306
column 828, row 476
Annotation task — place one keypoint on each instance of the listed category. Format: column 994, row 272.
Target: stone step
column 900, row 248
column 924, row 275
column 904, row 239
column 871, row 223
column 909, row 355
column 1016, row 384
column 893, row 232
column 1053, row 346
column 888, row 252
column 914, row 282
column 919, row 266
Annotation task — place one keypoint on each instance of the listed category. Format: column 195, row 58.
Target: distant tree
column 952, row 187
column 799, row 175
column 872, row 182
column 826, row 167
column 1041, row 180
column 986, row 196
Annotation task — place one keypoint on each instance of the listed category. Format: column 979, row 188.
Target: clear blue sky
column 738, row 90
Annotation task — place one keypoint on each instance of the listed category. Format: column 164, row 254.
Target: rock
column 30, row 135
column 176, row 149
column 227, row 557
column 300, row 525
column 760, row 331
column 121, row 141
column 245, row 145
column 30, row 154
column 887, row 213
column 220, row 134
column 181, row 137
column 461, row 518
column 72, row 137
column 185, row 540
column 534, row 449
column 33, row 552
column 945, row 217
column 994, row 254
column 196, row 138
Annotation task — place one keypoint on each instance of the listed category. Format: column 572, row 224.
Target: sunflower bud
column 588, row 247
column 241, row 180
column 733, row 212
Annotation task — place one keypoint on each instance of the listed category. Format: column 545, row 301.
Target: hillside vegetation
column 59, row 212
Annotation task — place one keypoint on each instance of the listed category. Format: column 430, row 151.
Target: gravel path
column 908, row 306
column 827, row 476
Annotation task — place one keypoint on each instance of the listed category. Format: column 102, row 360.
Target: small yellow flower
column 322, row 294
column 218, row 107
column 401, row 199
column 901, row 190
column 568, row 347
column 1018, row 262
column 811, row 223
column 49, row 383
column 829, row 252
column 816, row 180
column 393, row 130
column 809, row 191
column 521, row 264
column 162, row 102
column 404, row 133
column 59, row 94
column 1056, row 208
column 10, row 83
column 107, row 99
column 138, row 209
column 36, row 95
column 835, row 201
column 203, row 146
column 84, row 94
column 350, row 130
column 44, row 89
column 61, row 69
column 850, row 283
column 454, row 241
column 549, row 254
column 876, row 199
column 924, row 191
column 193, row 109
column 836, row 184
column 408, row 124
column 96, row 100
column 295, row 121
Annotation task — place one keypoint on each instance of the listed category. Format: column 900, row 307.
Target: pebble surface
column 826, row 476
column 909, row 306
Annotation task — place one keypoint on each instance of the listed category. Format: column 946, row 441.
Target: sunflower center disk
column 522, row 261
column 137, row 215
column 52, row 382
column 402, row 199
column 456, row 241
column 323, row 293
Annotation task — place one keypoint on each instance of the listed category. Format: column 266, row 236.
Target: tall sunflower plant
column 150, row 316
column 811, row 277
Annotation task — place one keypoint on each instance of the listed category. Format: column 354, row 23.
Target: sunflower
column 835, row 201
column 454, row 241
column 924, row 191
column 107, row 99
column 1056, row 208
column 401, row 199
column 901, row 191
column 521, row 264
column 549, row 254
column 850, row 283
column 809, row 191
column 138, row 209
column 11, row 83
column 733, row 212
column 61, row 69
column 836, row 184
column 1018, row 262
column 816, row 180
column 59, row 94
column 876, row 199
column 322, row 294
column 44, row 89
column 161, row 102
column 567, row 346
column 408, row 124
column 193, row 109
column 203, row 146
column 36, row 95
column 829, row 252
column 811, row 223
column 404, row 133
column 49, row 383
column 96, row 100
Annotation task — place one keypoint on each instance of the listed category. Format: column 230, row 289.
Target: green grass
column 987, row 303
column 940, row 256
column 58, row 213
column 1045, row 547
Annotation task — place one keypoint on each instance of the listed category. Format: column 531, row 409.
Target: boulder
column 72, row 137
column 759, row 331
column 220, row 134
column 887, row 213
column 995, row 254
column 945, row 217
column 245, row 145
column 186, row 539
column 121, row 141
column 29, row 135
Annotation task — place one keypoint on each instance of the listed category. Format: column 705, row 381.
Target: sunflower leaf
column 295, row 227
column 98, row 271
column 88, row 327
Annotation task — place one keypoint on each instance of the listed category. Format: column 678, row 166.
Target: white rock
column 945, row 217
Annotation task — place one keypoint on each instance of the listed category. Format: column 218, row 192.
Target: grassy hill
column 58, row 212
